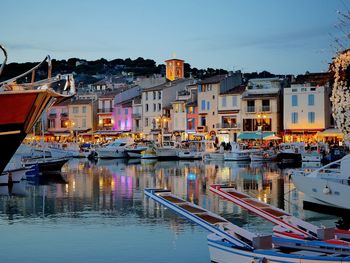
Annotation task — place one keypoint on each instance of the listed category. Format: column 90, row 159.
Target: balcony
column 136, row 115
column 64, row 114
column 266, row 108
column 228, row 126
column 105, row 110
column 52, row 115
column 250, row 108
column 202, row 129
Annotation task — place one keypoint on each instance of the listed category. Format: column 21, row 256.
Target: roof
column 174, row 59
column 63, row 103
column 236, row 90
column 214, row 79
column 314, row 79
column 100, row 82
column 166, row 85
column 108, row 95
column 80, row 102
column 191, row 104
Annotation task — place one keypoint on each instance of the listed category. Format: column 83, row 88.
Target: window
column 208, row 105
column 84, row 109
column 126, row 111
column 159, row 95
column 199, row 88
column 294, row 117
column 146, row 95
column 294, row 100
column 146, row 107
column 51, row 123
column 223, row 101
column 294, row 90
column 234, row 101
column 154, row 107
column 213, row 97
column 203, row 121
column 251, row 106
column 146, row 122
column 126, row 123
column 265, row 105
column 159, row 107
column 311, row 117
column 203, row 105
column 311, row 99
column 83, row 123
column 75, row 109
column 154, row 95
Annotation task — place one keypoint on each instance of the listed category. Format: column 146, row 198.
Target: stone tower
column 174, row 69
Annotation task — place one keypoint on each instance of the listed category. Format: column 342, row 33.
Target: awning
column 254, row 135
column 330, row 133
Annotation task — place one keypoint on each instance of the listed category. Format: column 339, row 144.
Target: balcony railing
column 64, row 114
column 136, row 115
column 250, row 108
column 228, row 125
column 202, row 129
column 266, row 108
column 105, row 110
column 52, row 115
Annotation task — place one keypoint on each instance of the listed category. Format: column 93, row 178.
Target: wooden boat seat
column 239, row 195
column 274, row 212
column 210, row 219
column 172, row 199
column 255, row 203
column 191, row 209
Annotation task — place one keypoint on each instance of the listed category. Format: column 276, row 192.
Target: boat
column 290, row 153
column 149, row 153
column 328, row 185
column 287, row 225
column 134, row 150
column 312, row 154
column 114, row 149
column 46, row 164
column 237, row 153
column 168, row 149
column 230, row 243
column 24, row 103
column 194, row 150
column 263, row 156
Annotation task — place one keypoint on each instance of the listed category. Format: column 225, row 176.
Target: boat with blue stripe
column 229, row 243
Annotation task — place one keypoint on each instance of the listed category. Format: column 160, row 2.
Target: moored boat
column 263, row 156
column 237, row 153
column 30, row 99
column 169, row 149
column 114, row 149
column 230, row 243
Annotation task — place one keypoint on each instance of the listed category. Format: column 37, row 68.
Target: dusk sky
column 279, row 36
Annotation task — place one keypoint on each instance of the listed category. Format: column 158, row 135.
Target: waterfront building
column 178, row 114
column 123, row 109
column 229, row 118
column 81, row 116
column 261, row 108
column 57, row 119
column 307, row 107
column 105, row 111
column 174, row 69
column 208, row 95
column 156, row 106
column 137, row 127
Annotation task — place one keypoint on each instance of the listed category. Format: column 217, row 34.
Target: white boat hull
column 185, row 154
column 311, row 158
column 326, row 192
column 109, row 154
column 213, row 157
column 237, row 156
column 226, row 253
column 165, row 152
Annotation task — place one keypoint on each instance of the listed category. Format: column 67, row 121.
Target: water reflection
column 109, row 194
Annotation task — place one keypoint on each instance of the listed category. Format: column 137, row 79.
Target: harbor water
column 97, row 212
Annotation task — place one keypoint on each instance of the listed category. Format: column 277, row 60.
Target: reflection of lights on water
column 191, row 177
column 67, row 187
column 73, row 185
column 101, row 183
column 113, row 183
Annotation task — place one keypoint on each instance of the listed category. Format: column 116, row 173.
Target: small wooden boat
column 288, row 226
column 230, row 243
column 46, row 164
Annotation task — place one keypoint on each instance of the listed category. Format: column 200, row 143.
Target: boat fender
column 326, row 190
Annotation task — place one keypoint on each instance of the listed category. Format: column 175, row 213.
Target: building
column 261, row 108
column 105, row 111
column 174, row 69
column 208, row 96
column 156, row 106
column 178, row 114
column 57, row 119
column 82, row 116
column 306, row 107
column 229, row 118
column 137, row 127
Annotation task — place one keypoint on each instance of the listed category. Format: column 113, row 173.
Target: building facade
column 57, row 119
column 105, row 112
column 81, row 116
column 306, row 111
column 261, row 106
column 174, row 69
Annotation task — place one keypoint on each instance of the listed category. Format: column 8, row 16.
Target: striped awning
column 254, row 135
